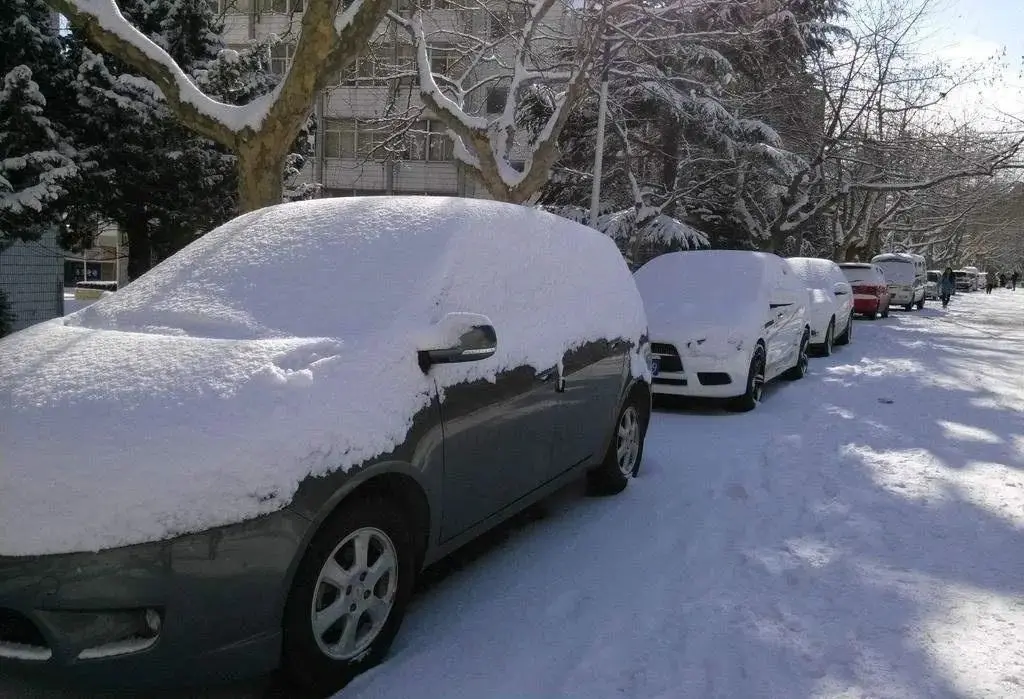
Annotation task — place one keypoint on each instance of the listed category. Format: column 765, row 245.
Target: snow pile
column 280, row 345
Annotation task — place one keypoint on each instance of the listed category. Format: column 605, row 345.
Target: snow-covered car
column 931, row 287
column 244, row 457
column 906, row 275
column 831, row 302
column 723, row 323
column 870, row 290
column 965, row 280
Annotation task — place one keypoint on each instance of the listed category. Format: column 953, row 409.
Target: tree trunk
column 140, row 253
column 260, row 168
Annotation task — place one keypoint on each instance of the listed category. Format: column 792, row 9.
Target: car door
column 594, row 376
column 783, row 309
column 497, row 443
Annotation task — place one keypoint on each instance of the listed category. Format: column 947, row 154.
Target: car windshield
column 933, row 276
column 896, row 271
column 860, row 273
column 962, row 275
column 716, row 279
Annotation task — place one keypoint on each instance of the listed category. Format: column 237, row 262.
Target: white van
column 906, row 275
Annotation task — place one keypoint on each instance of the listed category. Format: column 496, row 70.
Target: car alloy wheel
column 354, row 593
column 627, row 440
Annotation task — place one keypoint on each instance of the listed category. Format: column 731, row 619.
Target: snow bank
column 280, row 345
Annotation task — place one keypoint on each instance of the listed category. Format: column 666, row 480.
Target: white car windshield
column 860, row 275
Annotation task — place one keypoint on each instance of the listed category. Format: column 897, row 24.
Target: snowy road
column 859, row 535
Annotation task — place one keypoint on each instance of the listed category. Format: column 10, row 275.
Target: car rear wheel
column 885, row 313
column 625, row 451
column 799, row 370
column 847, row 335
column 825, row 348
column 755, row 384
column 349, row 595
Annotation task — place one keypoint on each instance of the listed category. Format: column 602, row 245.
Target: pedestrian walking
column 1014, row 278
column 947, row 284
column 990, row 281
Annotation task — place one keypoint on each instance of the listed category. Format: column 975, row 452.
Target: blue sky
column 997, row 21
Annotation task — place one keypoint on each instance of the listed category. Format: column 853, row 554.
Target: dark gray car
column 315, row 579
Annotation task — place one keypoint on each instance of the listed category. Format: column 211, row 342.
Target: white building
column 350, row 159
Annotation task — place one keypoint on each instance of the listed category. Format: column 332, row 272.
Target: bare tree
column 885, row 141
column 473, row 77
column 331, row 34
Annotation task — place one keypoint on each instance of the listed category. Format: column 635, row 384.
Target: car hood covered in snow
column 278, row 346
column 707, row 303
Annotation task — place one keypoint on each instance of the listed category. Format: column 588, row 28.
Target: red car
column 870, row 290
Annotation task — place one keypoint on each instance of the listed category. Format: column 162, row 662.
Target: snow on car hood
column 696, row 330
column 278, row 346
column 114, row 437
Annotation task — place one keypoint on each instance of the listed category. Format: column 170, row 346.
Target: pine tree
column 159, row 182
column 37, row 160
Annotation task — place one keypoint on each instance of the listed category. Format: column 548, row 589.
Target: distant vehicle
column 870, row 290
column 92, row 291
column 906, row 276
column 245, row 457
column 724, row 322
column 931, row 287
column 966, row 280
column 831, row 302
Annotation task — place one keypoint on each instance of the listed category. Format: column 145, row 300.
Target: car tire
column 799, row 370
column 625, row 450
column 920, row 305
column 375, row 525
column 755, row 383
column 825, row 348
column 847, row 335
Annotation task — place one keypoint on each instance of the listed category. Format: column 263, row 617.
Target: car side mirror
column 841, row 289
column 458, row 337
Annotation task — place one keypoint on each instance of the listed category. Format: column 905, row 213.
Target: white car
column 831, row 297
column 906, row 276
column 723, row 323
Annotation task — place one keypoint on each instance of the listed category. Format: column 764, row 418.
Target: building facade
column 357, row 152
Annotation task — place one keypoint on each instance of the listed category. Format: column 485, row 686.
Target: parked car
column 244, row 457
column 931, row 287
column 870, row 290
column 966, row 280
column 831, row 302
column 723, row 323
column 906, row 276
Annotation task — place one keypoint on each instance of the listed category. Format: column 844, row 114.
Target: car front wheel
column 847, row 334
column 625, row 451
column 349, row 595
column 755, row 384
column 825, row 348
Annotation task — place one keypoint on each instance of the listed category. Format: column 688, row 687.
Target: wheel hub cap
column 627, row 441
column 354, row 593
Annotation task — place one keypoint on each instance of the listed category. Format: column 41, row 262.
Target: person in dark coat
column 1014, row 278
column 947, row 285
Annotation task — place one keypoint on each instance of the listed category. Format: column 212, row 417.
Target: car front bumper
column 194, row 610
column 705, row 377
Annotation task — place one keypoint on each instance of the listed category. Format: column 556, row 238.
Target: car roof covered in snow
column 281, row 345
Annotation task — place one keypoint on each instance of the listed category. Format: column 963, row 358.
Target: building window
column 281, row 57
column 283, row 7
column 230, row 7
column 496, row 98
column 352, row 139
column 442, row 59
column 429, row 141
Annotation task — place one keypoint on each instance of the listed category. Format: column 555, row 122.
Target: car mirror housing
column 841, row 289
column 458, row 337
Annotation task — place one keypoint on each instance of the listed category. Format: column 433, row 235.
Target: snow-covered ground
column 859, row 535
